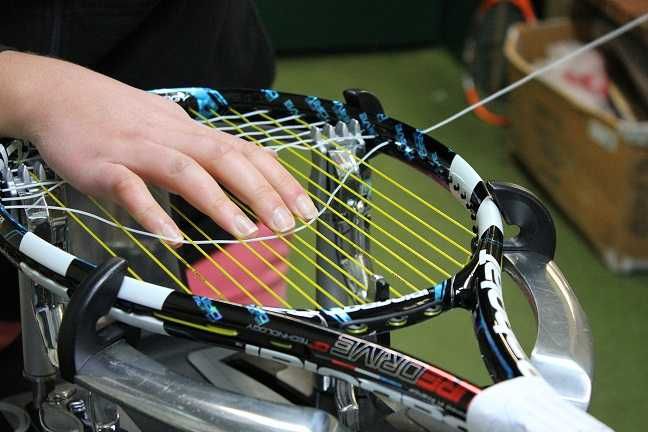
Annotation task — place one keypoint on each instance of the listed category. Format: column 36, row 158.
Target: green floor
column 423, row 87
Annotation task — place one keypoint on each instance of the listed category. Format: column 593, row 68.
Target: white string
column 270, row 131
column 205, row 242
column 256, row 123
column 38, row 195
column 278, row 148
column 15, row 170
column 298, row 144
column 28, row 185
column 281, row 137
column 232, row 116
column 591, row 45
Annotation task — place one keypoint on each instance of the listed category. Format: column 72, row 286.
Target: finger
column 289, row 189
column 243, row 179
column 213, row 147
column 181, row 174
column 129, row 190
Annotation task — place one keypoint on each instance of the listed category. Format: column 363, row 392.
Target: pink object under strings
column 255, row 266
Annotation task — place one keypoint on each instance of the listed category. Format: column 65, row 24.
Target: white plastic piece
column 45, row 253
column 143, row 322
column 465, row 176
column 527, row 404
column 252, row 350
column 488, row 215
column 143, row 293
column 47, row 283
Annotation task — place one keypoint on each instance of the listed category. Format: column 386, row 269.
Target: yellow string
column 311, row 260
column 208, row 328
column 281, row 275
column 325, row 272
column 404, row 189
column 231, row 257
column 379, row 228
column 270, row 265
column 355, row 260
column 342, row 236
column 87, row 229
column 379, row 243
column 195, row 271
column 388, row 250
column 302, row 274
column 330, row 262
column 298, row 271
column 376, row 191
column 144, row 249
column 336, row 247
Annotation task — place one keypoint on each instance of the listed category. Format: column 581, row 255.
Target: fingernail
column 244, row 226
column 171, row 232
column 273, row 152
column 306, row 207
column 282, row 220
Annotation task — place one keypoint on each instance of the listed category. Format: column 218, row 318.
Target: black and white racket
column 369, row 265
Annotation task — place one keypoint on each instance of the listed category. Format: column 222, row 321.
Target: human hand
column 109, row 139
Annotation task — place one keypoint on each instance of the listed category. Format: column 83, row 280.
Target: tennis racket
column 360, row 281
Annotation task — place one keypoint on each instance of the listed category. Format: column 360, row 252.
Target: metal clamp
column 563, row 348
column 172, row 402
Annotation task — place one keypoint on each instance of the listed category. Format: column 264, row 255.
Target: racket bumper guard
column 364, row 101
column 78, row 336
column 522, row 208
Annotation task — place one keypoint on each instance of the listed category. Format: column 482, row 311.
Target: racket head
column 477, row 286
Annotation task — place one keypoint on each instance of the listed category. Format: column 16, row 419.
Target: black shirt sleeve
column 9, row 305
column 149, row 43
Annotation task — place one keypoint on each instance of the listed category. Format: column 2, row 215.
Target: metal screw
column 62, row 393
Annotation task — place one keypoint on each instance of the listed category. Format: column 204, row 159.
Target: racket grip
column 527, row 404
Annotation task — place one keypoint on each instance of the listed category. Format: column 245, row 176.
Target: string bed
column 410, row 250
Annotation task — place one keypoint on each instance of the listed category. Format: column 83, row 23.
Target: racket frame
column 58, row 270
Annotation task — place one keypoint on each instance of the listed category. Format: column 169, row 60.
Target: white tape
column 143, row 293
column 465, row 176
column 45, row 253
column 143, row 322
column 527, row 404
column 488, row 215
column 252, row 350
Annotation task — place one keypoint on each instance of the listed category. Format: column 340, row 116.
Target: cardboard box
column 594, row 165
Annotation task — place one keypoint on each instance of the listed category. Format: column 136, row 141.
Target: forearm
column 30, row 88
